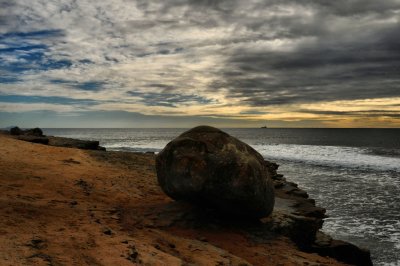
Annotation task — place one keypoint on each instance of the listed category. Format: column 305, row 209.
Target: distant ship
column 264, row 127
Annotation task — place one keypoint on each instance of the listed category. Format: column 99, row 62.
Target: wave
column 134, row 146
column 335, row 156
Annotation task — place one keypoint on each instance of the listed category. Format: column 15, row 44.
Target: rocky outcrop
column 296, row 216
column 36, row 132
column 188, row 162
column 208, row 167
column 35, row 135
column 107, row 208
column 341, row 250
column 34, row 139
column 75, row 143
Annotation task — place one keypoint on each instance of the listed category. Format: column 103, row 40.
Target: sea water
column 353, row 173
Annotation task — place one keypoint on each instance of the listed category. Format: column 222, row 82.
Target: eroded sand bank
column 65, row 206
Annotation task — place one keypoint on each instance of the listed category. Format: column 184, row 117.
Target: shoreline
column 95, row 200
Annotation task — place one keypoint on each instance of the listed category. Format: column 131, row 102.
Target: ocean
column 353, row 173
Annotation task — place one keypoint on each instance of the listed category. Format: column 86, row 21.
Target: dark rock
column 75, row 143
column 278, row 184
column 42, row 256
column 107, row 232
column 34, row 139
column 71, row 161
column 86, row 187
column 15, row 131
column 33, row 132
column 37, row 243
column 300, row 193
column 133, row 254
column 209, row 167
column 342, row 251
column 4, row 132
column 322, row 240
column 36, row 135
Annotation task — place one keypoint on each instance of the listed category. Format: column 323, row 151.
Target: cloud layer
column 240, row 60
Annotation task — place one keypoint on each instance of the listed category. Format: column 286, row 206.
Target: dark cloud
column 353, row 51
column 330, row 67
column 85, row 86
column 369, row 113
column 30, row 35
column 44, row 99
column 168, row 99
column 164, row 87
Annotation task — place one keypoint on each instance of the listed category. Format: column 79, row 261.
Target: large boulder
column 207, row 166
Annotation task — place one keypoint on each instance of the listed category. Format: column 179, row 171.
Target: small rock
column 71, row 160
column 86, row 187
column 203, row 239
column 37, row 243
column 133, row 254
column 107, row 232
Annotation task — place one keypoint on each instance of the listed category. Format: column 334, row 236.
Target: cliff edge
column 67, row 206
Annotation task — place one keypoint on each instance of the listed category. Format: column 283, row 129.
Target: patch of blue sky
column 23, row 48
column 27, row 51
column 8, row 79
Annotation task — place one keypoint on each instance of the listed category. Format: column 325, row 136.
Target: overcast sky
column 126, row 63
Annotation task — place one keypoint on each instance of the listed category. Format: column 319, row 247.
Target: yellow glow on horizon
column 350, row 113
column 384, row 104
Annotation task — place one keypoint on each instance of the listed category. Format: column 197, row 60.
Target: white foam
column 329, row 156
column 136, row 145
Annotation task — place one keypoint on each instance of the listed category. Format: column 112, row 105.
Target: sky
column 233, row 63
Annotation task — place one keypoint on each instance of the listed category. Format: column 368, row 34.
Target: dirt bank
column 65, row 206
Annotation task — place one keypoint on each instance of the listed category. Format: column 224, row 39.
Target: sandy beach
column 65, row 206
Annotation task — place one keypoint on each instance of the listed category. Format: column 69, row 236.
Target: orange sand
column 64, row 206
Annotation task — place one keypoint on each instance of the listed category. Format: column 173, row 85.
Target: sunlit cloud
column 325, row 63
